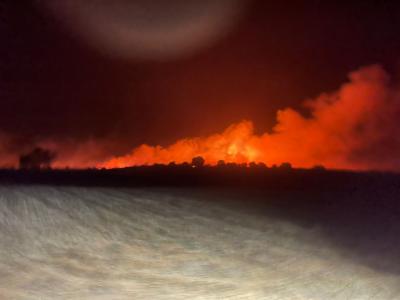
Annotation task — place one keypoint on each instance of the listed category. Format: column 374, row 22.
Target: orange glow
column 355, row 127
column 346, row 130
column 233, row 145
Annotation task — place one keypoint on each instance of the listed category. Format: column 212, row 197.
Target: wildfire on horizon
column 352, row 128
column 355, row 127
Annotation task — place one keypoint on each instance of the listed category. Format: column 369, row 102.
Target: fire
column 233, row 145
column 352, row 128
column 355, row 127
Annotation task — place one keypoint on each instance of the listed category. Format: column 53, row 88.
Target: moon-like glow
column 155, row 30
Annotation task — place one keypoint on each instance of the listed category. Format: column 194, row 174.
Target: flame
column 233, row 145
column 352, row 128
column 355, row 127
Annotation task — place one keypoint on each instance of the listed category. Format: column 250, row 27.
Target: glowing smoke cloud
column 353, row 128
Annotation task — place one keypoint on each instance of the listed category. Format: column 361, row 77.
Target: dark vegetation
column 38, row 158
column 198, row 174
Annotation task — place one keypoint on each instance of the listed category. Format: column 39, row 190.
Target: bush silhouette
column 285, row 166
column 198, row 162
column 221, row 163
column 38, row 158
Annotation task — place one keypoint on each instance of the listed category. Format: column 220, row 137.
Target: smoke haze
column 352, row 128
column 94, row 108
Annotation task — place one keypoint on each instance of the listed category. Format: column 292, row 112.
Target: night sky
column 55, row 85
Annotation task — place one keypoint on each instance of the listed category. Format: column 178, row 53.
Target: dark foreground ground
column 199, row 234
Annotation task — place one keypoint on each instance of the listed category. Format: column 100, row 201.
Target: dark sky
column 55, row 85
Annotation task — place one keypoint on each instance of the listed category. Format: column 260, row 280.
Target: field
column 67, row 241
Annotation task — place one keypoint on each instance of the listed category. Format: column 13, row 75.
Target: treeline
column 42, row 159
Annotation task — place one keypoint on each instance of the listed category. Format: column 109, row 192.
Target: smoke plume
column 354, row 127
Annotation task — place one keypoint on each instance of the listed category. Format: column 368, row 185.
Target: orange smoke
column 355, row 127
column 233, row 145
column 352, row 128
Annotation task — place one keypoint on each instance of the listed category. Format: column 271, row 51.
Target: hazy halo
column 149, row 30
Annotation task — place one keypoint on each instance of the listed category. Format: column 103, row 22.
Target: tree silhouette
column 319, row 168
column 221, row 163
column 252, row 165
column 285, row 166
column 38, row 158
column 198, row 162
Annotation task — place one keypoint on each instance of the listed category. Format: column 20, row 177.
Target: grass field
column 170, row 243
